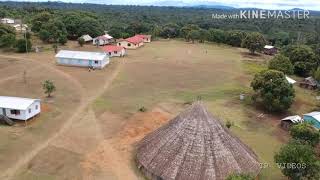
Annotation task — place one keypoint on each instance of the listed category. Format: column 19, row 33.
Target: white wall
column 35, row 109
column 125, row 44
column 118, row 54
column 83, row 63
column 25, row 114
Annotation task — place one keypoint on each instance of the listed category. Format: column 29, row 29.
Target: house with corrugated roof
column 131, row 42
column 113, row 50
column 82, row 59
column 313, row 118
column 19, row 108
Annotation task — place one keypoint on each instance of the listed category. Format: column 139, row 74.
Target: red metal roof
column 142, row 36
column 134, row 40
column 111, row 48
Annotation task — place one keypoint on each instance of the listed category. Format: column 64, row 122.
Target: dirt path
column 17, row 75
column 85, row 101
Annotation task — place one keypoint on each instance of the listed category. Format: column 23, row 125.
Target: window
column 96, row 62
column 37, row 107
column 29, row 110
column 15, row 112
column 115, row 52
column 129, row 44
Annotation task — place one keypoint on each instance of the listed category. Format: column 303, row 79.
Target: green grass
column 253, row 67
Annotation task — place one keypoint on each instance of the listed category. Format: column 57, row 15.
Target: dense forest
column 122, row 21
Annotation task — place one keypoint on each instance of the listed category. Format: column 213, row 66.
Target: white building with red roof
column 113, row 50
column 146, row 38
column 131, row 42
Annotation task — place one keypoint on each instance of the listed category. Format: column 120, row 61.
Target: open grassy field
column 90, row 128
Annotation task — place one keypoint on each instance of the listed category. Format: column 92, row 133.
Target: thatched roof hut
column 194, row 146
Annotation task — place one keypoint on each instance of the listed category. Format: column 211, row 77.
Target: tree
column 302, row 57
column 273, row 90
column 56, row 30
column 48, row 87
column 193, row 35
column 203, row 35
column 281, row 63
column 55, row 48
column 240, row 177
column 23, row 45
column 298, row 161
column 234, row 38
column 81, row 41
column 7, row 40
column 305, row 133
column 254, row 42
column 170, row 31
column 301, row 69
column 216, row 35
column 185, row 31
column 44, row 35
column 39, row 20
column 316, row 74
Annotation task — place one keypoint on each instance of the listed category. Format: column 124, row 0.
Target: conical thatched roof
column 194, row 146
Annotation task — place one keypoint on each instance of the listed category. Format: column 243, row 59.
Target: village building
column 131, row 42
column 194, row 145
column 82, row 59
column 111, row 39
column 113, row 50
column 19, row 108
column 7, row 21
column 86, row 38
column 288, row 122
column 146, row 38
column 21, row 27
column 100, row 41
column 270, row 50
column 309, row 83
column 313, row 118
column 290, row 80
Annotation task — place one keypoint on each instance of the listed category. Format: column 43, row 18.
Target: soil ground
column 90, row 128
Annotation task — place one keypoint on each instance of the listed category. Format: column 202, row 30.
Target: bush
column 281, row 63
column 273, row 90
column 143, row 109
column 305, row 133
column 298, row 161
column 240, row 177
column 23, row 45
column 228, row 124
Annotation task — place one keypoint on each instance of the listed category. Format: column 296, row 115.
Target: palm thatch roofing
column 194, row 146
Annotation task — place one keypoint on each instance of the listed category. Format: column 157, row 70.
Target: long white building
column 19, row 108
column 82, row 59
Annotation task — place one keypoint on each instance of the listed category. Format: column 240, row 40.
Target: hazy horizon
column 271, row 4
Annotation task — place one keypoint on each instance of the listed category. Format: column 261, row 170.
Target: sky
column 265, row 4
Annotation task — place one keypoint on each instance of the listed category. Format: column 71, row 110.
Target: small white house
column 103, row 40
column 19, row 108
column 82, row 59
column 20, row 27
column 86, row 38
column 113, row 50
column 7, row 21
